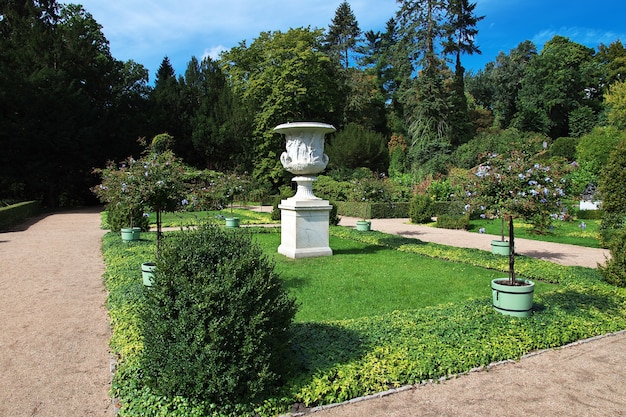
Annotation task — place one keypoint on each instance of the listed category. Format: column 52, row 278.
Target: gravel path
column 54, row 336
column 54, row 330
column 571, row 255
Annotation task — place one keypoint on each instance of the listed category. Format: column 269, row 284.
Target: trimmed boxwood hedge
column 17, row 213
column 367, row 210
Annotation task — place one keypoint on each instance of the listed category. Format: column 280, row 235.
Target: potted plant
column 501, row 246
column 364, row 225
column 234, row 185
column 156, row 182
column 368, row 188
column 123, row 203
column 517, row 185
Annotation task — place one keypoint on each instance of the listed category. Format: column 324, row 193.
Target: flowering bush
column 119, row 191
column 154, row 182
column 520, row 187
column 517, row 186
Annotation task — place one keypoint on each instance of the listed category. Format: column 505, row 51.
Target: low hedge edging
column 17, row 213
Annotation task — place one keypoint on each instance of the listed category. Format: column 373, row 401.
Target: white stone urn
column 305, row 147
column 304, row 154
column 304, row 217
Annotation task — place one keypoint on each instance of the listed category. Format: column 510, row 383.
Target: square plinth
column 304, row 228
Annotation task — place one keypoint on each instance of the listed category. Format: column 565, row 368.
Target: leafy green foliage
column 282, row 77
column 592, row 148
column 556, row 83
column 356, row 147
column 613, row 190
column 421, row 209
column 450, row 221
column 614, row 271
column 616, row 100
column 216, row 319
column 564, row 147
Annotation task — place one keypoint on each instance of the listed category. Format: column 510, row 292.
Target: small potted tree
column 234, row 185
column 118, row 190
column 513, row 186
column 155, row 182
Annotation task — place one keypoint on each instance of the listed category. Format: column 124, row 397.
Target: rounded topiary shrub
column 216, row 322
column 614, row 271
column 421, row 209
column 120, row 216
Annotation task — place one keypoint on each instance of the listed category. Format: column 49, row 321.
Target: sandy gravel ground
column 54, row 328
column 554, row 252
column 586, row 379
column 54, row 332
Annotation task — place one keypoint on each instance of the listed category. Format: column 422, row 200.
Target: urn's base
column 304, row 228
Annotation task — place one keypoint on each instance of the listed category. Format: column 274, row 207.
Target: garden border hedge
column 17, row 213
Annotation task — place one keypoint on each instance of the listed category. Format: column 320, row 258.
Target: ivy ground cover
column 335, row 360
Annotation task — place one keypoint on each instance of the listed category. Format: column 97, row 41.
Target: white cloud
column 214, row 52
column 585, row 36
column 148, row 30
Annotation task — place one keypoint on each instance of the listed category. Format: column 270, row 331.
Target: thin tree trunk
column 511, row 251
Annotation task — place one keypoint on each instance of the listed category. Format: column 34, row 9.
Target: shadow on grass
column 578, row 303
column 320, row 346
column 370, row 249
column 395, row 242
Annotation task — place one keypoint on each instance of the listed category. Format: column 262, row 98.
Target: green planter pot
column 363, row 226
column 232, row 221
column 499, row 247
column 510, row 300
column 147, row 273
column 130, row 234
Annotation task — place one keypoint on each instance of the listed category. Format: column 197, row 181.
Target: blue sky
column 148, row 30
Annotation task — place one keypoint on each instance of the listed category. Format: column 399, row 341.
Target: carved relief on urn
column 305, row 147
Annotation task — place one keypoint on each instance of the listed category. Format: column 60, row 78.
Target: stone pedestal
column 304, row 225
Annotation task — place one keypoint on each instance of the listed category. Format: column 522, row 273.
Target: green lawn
column 562, row 232
column 362, row 280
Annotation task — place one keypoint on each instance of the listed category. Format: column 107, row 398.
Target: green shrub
column 421, row 210
column 119, row 216
column 333, row 218
column 355, row 146
column 592, row 147
column 448, row 207
column 215, row 326
column 613, row 191
column 564, row 147
column 614, row 271
column 588, row 214
column 449, row 221
column 16, row 213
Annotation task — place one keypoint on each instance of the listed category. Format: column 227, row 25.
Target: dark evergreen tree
column 343, row 33
column 461, row 32
column 167, row 113
column 60, row 95
column 219, row 127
